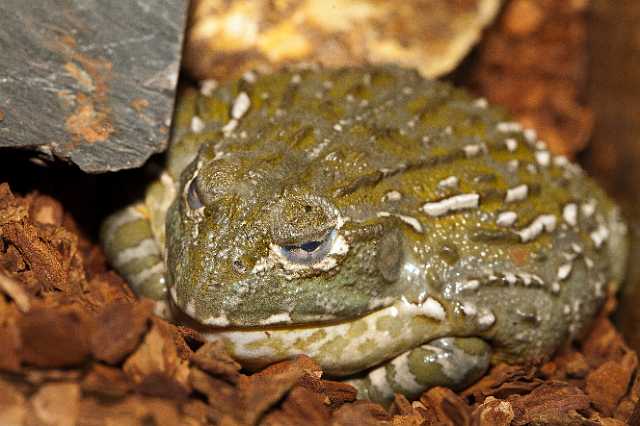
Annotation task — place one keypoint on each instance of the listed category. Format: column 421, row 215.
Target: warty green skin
column 444, row 218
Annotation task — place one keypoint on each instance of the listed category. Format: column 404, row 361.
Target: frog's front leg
column 454, row 362
column 130, row 246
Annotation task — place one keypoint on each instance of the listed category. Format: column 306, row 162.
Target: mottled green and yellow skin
column 374, row 220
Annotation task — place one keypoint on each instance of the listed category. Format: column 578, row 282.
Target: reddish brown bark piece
column 603, row 343
column 361, row 413
column 552, row 403
column 212, row 358
column 493, row 412
column 13, row 408
column 246, row 402
column 105, row 289
column 607, row 384
column 156, row 367
column 56, row 404
column 55, row 337
column 134, row 410
column 405, row 414
column 10, row 209
column 447, row 407
column 222, row 397
column 106, row 381
column 576, row 366
column 262, row 391
column 10, row 347
column 629, row 408
column 335, row 393
column 119, row 329
column 302, row 407
column 44, row 254
column 300, row 363
column 503, row 381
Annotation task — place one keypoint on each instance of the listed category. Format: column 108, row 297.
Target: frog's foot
column 130, row 247
column 454, row 362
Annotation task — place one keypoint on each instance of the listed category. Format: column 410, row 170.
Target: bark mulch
column 78, row 348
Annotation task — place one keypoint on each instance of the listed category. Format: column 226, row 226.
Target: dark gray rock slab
column 89, row 81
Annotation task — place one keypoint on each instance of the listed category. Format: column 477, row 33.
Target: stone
column 87, row 81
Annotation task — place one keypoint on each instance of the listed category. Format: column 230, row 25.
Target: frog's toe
column 454, row 362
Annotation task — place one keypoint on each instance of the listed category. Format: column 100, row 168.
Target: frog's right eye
column 192, row 196
column 309, row 252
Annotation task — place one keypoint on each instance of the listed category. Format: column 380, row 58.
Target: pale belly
column 342, row 348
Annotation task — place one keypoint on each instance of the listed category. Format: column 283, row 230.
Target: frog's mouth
column 179, row 316
column 429, row 308
column 275, row 322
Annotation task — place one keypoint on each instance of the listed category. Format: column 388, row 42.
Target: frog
column 397, row 230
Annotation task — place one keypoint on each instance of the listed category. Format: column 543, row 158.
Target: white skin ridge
column 542, row 223
column 570, row 214
column 517, row 193
column 450, row 182
column 451, row 204
column 507, row 218
column 409, row 220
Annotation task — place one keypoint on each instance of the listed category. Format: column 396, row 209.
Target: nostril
column 239, row 266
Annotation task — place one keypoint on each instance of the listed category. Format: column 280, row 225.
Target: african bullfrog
column 395, row 229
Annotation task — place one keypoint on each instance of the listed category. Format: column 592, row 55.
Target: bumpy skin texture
column 358, row 214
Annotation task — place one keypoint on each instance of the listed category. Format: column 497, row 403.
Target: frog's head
column 251, row 242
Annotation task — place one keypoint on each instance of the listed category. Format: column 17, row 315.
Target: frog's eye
column 308, row 252
column 192, row 196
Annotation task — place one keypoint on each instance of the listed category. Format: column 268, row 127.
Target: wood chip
column 119, row 330
column 56, row 404
column 106, row 381
column 55, row 337
column 300, row 407
column 212, row 358
column 361, row 413
column 503, row 381
column 335, row 393
column 607, row 384
column 549, row 403
column 10, row 349
column 156, row 367
column 493, row 412
column 14, row 290
column 13, row 407
column 446, row 407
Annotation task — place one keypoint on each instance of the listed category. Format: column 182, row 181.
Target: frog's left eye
column 192, row 196
column 308, row 252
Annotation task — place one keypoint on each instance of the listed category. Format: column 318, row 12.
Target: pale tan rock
column 227, row 39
